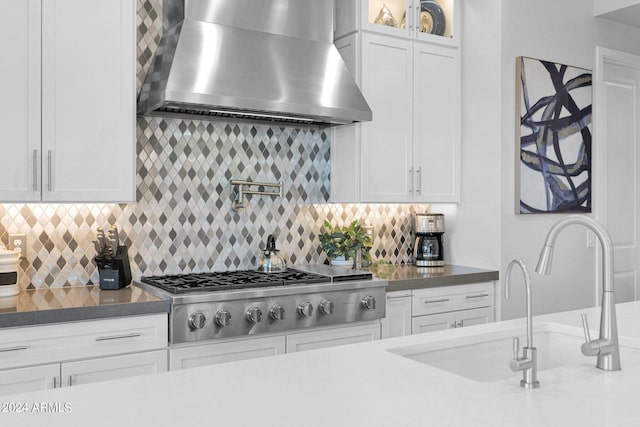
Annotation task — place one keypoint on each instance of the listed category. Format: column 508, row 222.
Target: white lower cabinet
column 435, row 309
column 397, row 322
column 312, row 340
column 227, row 351
column 58, row 355
column 24, row 380
column 457, row 319
column 190, row 356
column 112, row 368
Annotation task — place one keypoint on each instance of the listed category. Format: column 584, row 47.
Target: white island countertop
column 354, row 385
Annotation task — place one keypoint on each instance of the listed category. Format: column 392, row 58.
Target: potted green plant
column 342, row 244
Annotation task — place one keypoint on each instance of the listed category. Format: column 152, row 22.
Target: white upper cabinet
column 72, row 138
column 20, row 106
column 410, row 151
column 433, row 20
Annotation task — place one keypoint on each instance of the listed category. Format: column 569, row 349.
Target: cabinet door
column 88, row 99
column 452, row 298
column 397, row 321
column 20, row 106
column 436, row 124
column 23, row 380
column 332, row 337
column 386, row 140
column 433, row 322
column 371, row 10
column 34, row 345
column 228, row 351
column 478, row 316
column 111, row 368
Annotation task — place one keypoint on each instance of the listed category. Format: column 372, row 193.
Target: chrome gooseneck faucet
column 606, row 347
column 528, row 364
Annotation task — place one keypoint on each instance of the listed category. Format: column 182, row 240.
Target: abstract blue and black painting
column 553, row 107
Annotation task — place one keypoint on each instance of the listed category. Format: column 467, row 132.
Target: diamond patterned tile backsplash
column 183, row 220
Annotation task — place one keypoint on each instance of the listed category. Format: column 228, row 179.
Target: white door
column 115, row 367
column 88, row 100
column 386, row 140
column 20, row 106
column 397, row 320
column 229, row 351
column 332, row 337
column 433, row 322
column 436, row 123
column 617, row 96
column 23, row 380
column 478, row 316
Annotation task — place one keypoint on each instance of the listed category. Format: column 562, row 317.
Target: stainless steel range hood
column 265, row 60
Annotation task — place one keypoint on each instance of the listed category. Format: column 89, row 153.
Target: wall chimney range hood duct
column 254, row 60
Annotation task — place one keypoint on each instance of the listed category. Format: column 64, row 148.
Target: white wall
column 562, row 31
column 473, row 227
column 484, row 230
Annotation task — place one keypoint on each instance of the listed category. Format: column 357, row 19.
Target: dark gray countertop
column 408, row 277
column 40, row 306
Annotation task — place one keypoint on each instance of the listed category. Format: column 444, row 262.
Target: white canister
column 9, row 262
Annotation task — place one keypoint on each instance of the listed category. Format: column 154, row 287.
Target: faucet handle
column 516, row 348
column 585, row 327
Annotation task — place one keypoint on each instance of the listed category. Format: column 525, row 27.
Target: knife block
column 114, row 271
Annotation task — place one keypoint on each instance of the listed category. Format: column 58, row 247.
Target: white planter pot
column 341, row 262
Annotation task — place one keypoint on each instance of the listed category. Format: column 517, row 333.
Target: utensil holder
column 114, row 271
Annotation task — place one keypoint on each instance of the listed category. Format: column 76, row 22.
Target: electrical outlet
column 19, row 242
column 370, row 230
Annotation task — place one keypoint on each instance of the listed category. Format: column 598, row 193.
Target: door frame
column 622, row 59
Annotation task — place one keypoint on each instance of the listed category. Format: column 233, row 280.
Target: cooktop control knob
column 369, row 302
column 305, row 309
column 223, row 318
column 277, row 312
column 326, row 306
column 197, row 320
column 254, row 314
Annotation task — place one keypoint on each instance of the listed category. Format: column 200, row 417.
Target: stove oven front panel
column 214, row 320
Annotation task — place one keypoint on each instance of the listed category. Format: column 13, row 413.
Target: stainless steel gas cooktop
column 216, row 305
column 228, row 280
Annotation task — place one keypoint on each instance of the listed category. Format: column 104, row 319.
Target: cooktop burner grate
column 229, row 280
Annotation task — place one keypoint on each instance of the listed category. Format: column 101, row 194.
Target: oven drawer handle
column 18, row 348
column 119, row 337
column 431, row 301
column 482, row 295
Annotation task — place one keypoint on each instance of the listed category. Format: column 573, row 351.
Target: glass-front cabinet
column 405, row 57
column 430, row 20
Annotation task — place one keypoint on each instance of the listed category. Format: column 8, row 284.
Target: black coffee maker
column 428, row 248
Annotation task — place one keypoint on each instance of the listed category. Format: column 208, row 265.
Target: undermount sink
column 485, row 357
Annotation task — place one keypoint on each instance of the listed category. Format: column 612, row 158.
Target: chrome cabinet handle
column 119, row 337
column 49, row 164
column 35, row 170
column 411, row 181
column 417, row 18
column 399, row 297
column 55, row 382
column 17, row 348
column 435, row 300
column 483, row 295
column 410, row 18
column 459, row 325
column 419, row 179
column 70, row 380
